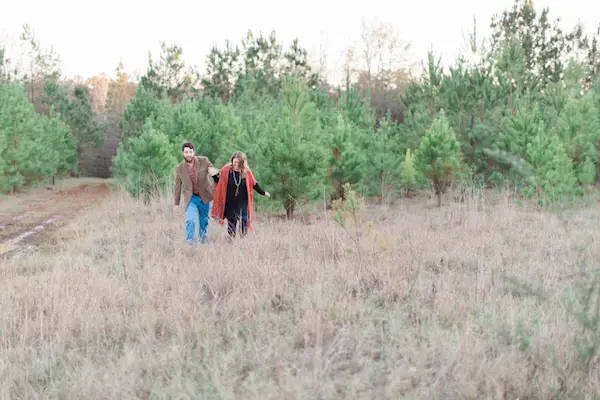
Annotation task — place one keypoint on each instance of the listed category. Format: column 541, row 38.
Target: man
column 191, row 178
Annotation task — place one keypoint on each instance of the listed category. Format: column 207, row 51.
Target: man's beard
column 189, row 159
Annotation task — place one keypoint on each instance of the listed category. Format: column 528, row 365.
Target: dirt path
column 26, row 219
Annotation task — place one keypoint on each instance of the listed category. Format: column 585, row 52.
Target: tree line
column 519, row 109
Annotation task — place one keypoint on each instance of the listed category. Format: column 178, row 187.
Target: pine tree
column 578, row 127
column 33, row 147
column 347, row 162
column 438, row 157
column 384, row 150
column 292, row 150
column 145, row 106
column 145, row 165
column 555, row 175
column 77, row 113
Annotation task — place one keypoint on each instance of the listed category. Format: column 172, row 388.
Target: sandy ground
column 27, row 218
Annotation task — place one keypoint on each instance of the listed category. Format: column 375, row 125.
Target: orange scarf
column 220, row 195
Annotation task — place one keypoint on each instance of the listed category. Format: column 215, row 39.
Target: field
column 467, row 301
column 28, row 218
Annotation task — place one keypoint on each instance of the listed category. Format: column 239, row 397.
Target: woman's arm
column 259, row 189
column 213, row 172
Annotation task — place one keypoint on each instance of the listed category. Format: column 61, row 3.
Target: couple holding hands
column 232, row 195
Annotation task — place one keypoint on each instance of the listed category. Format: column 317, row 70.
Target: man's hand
column 212, row 171
column 268, row 195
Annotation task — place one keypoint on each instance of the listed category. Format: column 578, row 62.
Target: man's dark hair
column 187, row 144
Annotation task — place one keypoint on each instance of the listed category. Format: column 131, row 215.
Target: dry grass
column 21, row 201
column 422, row 304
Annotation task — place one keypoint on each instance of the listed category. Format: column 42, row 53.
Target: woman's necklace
column 237, row 184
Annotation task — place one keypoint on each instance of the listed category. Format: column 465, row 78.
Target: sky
column 93, row 41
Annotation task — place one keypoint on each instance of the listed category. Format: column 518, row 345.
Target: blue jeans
column 196, row 207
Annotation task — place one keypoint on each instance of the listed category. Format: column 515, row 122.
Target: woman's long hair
column 241, row 162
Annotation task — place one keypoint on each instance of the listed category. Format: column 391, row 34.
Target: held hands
column 212, row 171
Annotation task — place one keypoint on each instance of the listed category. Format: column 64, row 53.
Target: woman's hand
column 267, row 195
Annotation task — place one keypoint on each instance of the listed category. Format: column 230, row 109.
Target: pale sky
column 92, row 42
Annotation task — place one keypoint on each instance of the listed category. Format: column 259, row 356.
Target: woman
column 233, row 196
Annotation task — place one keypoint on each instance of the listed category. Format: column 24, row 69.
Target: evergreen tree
column 170, row 78
column 578, row 127
column 33, row 147
column 554, row 173
column 145, row 106
column 348, row 160
column 384, row 150
column 145, row 166
column 293, row 156
column 77, row 113
column 438, row 157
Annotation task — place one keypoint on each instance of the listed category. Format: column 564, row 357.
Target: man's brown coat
column 183, row 183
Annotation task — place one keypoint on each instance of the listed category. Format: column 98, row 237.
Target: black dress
column 236, row 205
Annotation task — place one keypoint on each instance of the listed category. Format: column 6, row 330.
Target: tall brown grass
column 467, row 301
